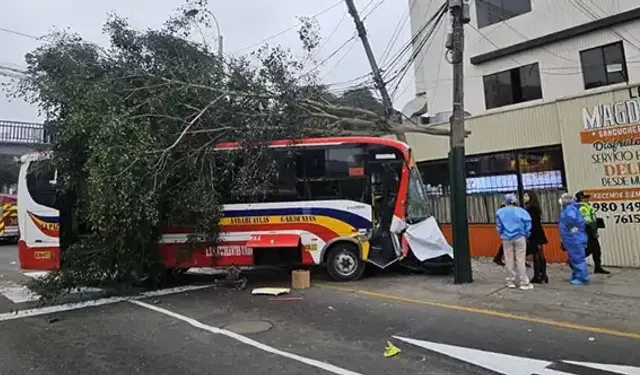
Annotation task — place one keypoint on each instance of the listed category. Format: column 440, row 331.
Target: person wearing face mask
column 593, row 243
column 537, row 239
column 573, row 235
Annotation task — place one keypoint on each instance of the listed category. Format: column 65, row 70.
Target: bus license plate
column 42, row 254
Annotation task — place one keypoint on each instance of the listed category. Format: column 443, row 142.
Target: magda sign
column 611, row 131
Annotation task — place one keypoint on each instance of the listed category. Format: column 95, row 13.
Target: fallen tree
column 136, row 125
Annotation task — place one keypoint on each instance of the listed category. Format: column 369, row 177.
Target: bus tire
column 344, row 262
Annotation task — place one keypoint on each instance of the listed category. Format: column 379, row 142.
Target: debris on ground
column 391, row 350
column 292, row 298
column 271, row 291
column 233, row 279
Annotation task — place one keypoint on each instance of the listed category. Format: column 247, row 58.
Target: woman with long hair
column 537, row 239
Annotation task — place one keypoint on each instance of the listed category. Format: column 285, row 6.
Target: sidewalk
column 609, row 301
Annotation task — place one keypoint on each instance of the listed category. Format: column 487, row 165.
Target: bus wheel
column 344, row 263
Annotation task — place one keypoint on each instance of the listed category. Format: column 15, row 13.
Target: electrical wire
column 414, row 39
column 18, row 33
column 399, row 27
column 622, row 27
column 435, row 22
column 435, row 29
column 288, row 29
column 584, row 9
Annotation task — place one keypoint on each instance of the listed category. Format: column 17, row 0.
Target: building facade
column 589, row 142
column 553, row 92
column 527, row 52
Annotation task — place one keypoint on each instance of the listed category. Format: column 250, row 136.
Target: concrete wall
column 559, row 63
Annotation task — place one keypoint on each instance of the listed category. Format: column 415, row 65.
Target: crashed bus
column 342, row 202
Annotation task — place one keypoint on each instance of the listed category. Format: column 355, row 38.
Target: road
column 327, row 331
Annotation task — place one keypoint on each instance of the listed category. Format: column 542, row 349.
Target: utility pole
column 375, row 70
column 459, row 10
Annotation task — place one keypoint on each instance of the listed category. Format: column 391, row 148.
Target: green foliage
column 9, row 170
column 136, row 128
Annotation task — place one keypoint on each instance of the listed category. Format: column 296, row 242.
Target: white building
column 525, row 52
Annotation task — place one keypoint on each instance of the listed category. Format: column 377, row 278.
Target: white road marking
column 98, row 302
column 19, row 293
column 245, row 340
column 500, row 363
column 509, row 364
column 626, row 370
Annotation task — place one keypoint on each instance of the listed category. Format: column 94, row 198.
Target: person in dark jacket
column 537, row 238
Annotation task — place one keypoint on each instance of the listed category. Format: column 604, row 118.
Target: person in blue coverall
column 573, row 234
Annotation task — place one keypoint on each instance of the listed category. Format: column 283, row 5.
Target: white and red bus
column 344, row 202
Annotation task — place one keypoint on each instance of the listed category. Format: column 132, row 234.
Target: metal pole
column 460, row 225
column 194, row 12
column 215, row 20
column 375, row 70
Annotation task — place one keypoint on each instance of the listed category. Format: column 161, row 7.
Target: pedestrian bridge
column 19, row 138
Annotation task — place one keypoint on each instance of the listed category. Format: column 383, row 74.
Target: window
column 604, row 65
column 489, row 12
column 490, row 176
column 513, row 86
column 417, row 199
column 39, row 183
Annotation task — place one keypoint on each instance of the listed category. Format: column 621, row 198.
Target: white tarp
column 427, row 241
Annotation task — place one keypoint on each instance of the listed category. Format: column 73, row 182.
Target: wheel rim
column 346, row 263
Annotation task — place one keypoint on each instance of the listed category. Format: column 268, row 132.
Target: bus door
column 384, row 176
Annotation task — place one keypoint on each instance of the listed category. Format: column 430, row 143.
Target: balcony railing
column 24, row 133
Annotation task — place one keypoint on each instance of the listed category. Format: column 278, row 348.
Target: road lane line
column 487, row 312
column 20, row 314
column 245, row 340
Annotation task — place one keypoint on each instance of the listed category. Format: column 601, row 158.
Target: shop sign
column 612, row 133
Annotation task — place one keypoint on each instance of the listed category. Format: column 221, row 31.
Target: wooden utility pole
column 460, row 226
column 375, row 70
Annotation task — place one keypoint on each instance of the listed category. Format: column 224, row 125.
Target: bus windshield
column 417, row 199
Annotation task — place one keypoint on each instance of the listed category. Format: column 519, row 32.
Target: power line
column 435, row 28
column 622, row 27
column 584, row 9
column 435, row 22
column 288, row 29
column 335, row 52
column 411, row 43
column 399, row 28
column 18, row 33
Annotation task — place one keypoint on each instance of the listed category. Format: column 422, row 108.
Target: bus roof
column 326, row 141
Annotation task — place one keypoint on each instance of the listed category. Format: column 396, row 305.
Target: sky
column 243, row 23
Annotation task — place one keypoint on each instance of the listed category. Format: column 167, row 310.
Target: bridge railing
column 24, row 133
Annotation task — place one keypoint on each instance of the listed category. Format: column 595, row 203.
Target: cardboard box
column 301, row 279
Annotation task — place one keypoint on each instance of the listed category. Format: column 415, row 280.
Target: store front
column 588, row 143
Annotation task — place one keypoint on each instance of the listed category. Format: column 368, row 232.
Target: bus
column 341, row 202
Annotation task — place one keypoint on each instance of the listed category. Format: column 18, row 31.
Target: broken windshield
column 417, row 200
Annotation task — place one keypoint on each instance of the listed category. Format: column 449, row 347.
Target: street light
column 194, row 12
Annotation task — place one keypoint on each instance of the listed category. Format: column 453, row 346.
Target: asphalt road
column 327, row 331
